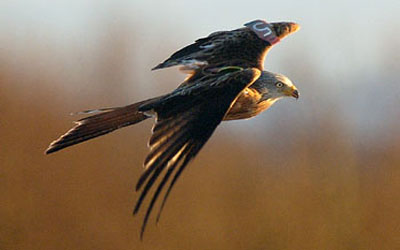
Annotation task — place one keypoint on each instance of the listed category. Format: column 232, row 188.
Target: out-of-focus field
column 322, row 172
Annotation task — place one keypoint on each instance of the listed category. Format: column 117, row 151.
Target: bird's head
column 283, row 29
column 272, row 32
column 274, row 86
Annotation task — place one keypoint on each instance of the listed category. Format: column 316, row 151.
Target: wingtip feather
column 159, row 66
column 49, row 150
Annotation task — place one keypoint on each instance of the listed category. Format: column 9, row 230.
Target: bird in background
column 245, row 47
column 235, row 87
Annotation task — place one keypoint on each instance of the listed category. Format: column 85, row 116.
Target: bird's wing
column 185, row 121
column 203, row 45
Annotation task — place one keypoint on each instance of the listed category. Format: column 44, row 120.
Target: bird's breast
column 247, row 105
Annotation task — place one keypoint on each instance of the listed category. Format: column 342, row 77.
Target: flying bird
column 226, row 81
column 185, row 120
column 244, row 47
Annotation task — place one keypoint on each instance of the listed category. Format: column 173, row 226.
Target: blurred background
column 322, row 172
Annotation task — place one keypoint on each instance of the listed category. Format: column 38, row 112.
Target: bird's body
column 249, row 103
column 225, row 83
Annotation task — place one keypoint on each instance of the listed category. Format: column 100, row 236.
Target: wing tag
column 263, row 30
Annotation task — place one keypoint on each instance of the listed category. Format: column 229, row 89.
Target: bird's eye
column 279, row 84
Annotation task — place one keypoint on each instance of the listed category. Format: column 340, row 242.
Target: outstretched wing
column 197, row 52
column 185, row 121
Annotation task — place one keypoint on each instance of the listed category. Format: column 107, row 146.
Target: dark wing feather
column 186, row 52
column 191, row 153
column 192, row 48
column 185, row 121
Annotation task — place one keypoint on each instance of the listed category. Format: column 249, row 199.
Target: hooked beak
column 295, row 94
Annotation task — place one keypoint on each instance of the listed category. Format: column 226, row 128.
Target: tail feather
column 99, row 124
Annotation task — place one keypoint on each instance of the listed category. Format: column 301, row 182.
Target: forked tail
column 99, row 124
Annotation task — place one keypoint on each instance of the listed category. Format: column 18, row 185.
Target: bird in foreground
column 185, row 120
column 226, row 82
column 245, row 47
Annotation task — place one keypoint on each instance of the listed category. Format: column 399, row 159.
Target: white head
column 274, row 86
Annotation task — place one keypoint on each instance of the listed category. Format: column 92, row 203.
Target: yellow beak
column 295, row 94
column 292, row 92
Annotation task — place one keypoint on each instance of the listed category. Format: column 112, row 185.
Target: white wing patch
column 191, row 65
column 207, row 46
